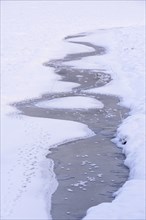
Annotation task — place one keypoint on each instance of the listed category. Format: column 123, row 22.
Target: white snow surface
column 71, row 102
column 31, row 34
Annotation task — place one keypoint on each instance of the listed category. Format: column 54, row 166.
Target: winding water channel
column 88, row 171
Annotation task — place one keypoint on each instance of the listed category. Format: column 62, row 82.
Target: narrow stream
column 88, row 171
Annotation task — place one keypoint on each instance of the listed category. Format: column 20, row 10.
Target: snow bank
column 125, row 62
column 27, row 178
column 124, row 205
column 72, row 102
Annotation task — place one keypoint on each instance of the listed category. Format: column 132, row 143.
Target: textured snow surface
column 73, row 102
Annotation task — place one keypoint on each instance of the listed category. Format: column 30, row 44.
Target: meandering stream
column 89, row 170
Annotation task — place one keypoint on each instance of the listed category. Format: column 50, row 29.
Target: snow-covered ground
column 32, row 33
column 72, row 102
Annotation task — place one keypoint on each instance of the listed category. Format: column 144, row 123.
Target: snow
column 31, row 34
column 72, row 102
column 27, row 178
column 126, row 64
column 120, row 208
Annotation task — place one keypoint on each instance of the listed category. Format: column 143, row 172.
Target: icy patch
column 72, row 102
